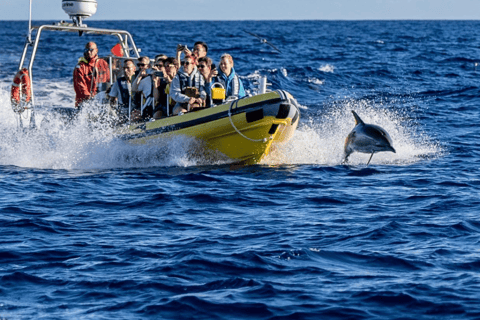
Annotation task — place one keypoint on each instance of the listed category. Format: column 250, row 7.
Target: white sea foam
column 84, row 143
column 6, row 113
column 327, row 68
column 316, row 81
column 320, row 139
column 256, row 74
column 253, row 76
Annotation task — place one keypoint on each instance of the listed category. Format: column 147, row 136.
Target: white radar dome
column 79, row 8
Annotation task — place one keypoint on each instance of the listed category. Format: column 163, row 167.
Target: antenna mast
column 29, row 35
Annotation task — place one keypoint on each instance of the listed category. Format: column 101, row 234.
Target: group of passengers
column 171, row 86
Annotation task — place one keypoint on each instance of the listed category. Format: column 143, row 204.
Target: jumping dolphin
column 367, row 138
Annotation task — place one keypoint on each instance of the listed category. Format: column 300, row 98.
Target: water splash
column 6, row 112
column 320, row 138
column 87, row 142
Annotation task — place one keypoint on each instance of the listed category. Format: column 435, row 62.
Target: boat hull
column 243, row 130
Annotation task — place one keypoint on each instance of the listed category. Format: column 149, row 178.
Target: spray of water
column 91, row 142
column 320, row 138
column 88, row 141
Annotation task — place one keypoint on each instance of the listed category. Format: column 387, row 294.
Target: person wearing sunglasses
column 209, row 72
column 142, row 88
column 188, row 88
column 205, row 68
column 161, row 89
column 143, row 65
column 158, row 67
column 121, row 92
column 159, row 64
column 171, row 69
column 89, row 72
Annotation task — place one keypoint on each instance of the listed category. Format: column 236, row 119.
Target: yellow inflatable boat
column 243, row 130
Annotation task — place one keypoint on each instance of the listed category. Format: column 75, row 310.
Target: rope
column 264, row 140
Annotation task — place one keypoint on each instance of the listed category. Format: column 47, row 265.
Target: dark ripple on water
column 394, row 240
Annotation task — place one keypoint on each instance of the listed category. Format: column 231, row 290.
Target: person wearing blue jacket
column 230, row 80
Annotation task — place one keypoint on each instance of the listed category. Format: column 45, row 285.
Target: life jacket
column 125, row 88
column 21, row 89
column 188, row 81
column 184, row 84
column 232, row 84
column 139, row 97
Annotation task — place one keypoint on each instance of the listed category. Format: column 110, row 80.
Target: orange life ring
column 21, row 90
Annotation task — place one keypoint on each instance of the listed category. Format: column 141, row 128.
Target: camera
column 213, row 66
column 158, row 74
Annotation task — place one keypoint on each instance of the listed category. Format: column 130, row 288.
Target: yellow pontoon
column 243, row 130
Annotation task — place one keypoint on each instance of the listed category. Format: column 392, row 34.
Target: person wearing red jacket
column 89, row 72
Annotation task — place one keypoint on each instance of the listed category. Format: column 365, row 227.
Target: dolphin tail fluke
column 357, row 118
column 370, row 158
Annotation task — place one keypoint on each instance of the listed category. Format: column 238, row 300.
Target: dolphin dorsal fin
column 357, row 118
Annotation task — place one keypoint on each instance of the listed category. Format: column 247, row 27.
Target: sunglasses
column 142, row 64
column 90, row 50
column 159, row 65
column 201, row 66
column 186, row 63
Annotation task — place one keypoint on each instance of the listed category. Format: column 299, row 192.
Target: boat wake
column 86, row 145
column 320, row 137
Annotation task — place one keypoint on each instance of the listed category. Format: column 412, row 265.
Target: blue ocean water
column 92, row 228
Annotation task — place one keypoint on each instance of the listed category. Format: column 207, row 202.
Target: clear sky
column 252, row 9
